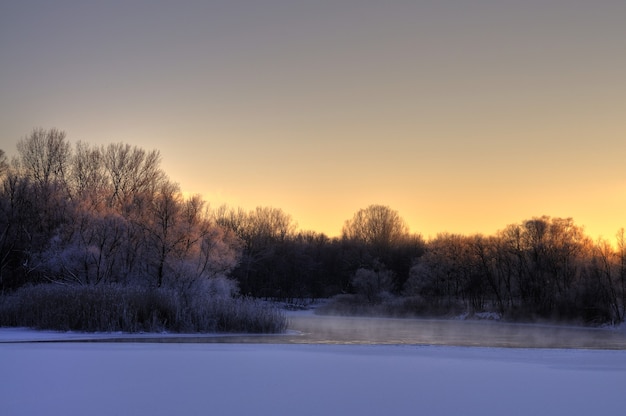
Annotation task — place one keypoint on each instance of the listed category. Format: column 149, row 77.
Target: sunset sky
column 464, row 116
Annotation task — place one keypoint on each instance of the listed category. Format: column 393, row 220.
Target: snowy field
column 74, row 378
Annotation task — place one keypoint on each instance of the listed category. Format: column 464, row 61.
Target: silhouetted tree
column 377, row 234
column 444, row 272
column 132, row 173
column 91, row 215
column 621, row 259
column 88, row 178
column 376, row 225
column 18, row 223
column 44, row 157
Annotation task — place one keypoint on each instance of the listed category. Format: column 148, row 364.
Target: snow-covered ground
column 69, row 378
column 11, row 335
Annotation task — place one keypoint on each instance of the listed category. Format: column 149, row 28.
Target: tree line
column 80, row 225
column 91, row 215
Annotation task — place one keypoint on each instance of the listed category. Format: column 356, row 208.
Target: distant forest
column 77, row 215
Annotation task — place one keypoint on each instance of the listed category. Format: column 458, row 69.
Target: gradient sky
column 464, row 116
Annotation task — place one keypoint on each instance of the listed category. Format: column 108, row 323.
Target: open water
column 307, row 328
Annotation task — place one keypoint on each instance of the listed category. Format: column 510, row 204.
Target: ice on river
column 70, row 378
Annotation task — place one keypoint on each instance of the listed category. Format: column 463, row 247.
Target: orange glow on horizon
column 457, row 116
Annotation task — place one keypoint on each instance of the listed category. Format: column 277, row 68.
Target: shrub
column 372, row 284
column 135, row 309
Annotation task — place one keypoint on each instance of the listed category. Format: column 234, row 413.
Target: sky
column 464, row 116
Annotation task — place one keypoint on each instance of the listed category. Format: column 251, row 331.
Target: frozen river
column 156, row 379
column 324, row 366
column 307, row 328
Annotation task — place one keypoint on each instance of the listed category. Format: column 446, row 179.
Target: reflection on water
column 313, row 329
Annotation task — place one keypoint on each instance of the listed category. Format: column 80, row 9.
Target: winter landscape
column 348, row 377
column 278, row 207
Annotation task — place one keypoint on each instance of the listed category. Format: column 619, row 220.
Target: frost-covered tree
column 88, row 178
column 132, row 173
column 44, row 157
column 183, row 241
column 373, row 284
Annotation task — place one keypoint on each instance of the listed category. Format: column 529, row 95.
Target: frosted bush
column 221, row 287
column 372, row 284
column 136, row 308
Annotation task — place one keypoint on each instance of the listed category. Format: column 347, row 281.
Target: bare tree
column 220, row 252
column 443, row 273
column 4, row 165
column 88, row 178
column 44, row 156
column 165, row 225
column 270, row 224
column 235, row 220
column 257, row 228
column 42, row 164
column 132, row 172
column 377, row 225
column 621, row 247
column 485, row 250
column 603, row 267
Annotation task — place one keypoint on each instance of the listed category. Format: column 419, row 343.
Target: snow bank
column 8, row 335
column 246, row 379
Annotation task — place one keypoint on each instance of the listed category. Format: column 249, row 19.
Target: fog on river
column 307, row 328
column 358, row 330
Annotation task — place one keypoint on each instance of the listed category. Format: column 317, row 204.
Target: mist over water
column 357, row 330
column 307, row 328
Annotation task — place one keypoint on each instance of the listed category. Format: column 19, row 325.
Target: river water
column 307, row 328
column 344, row 330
